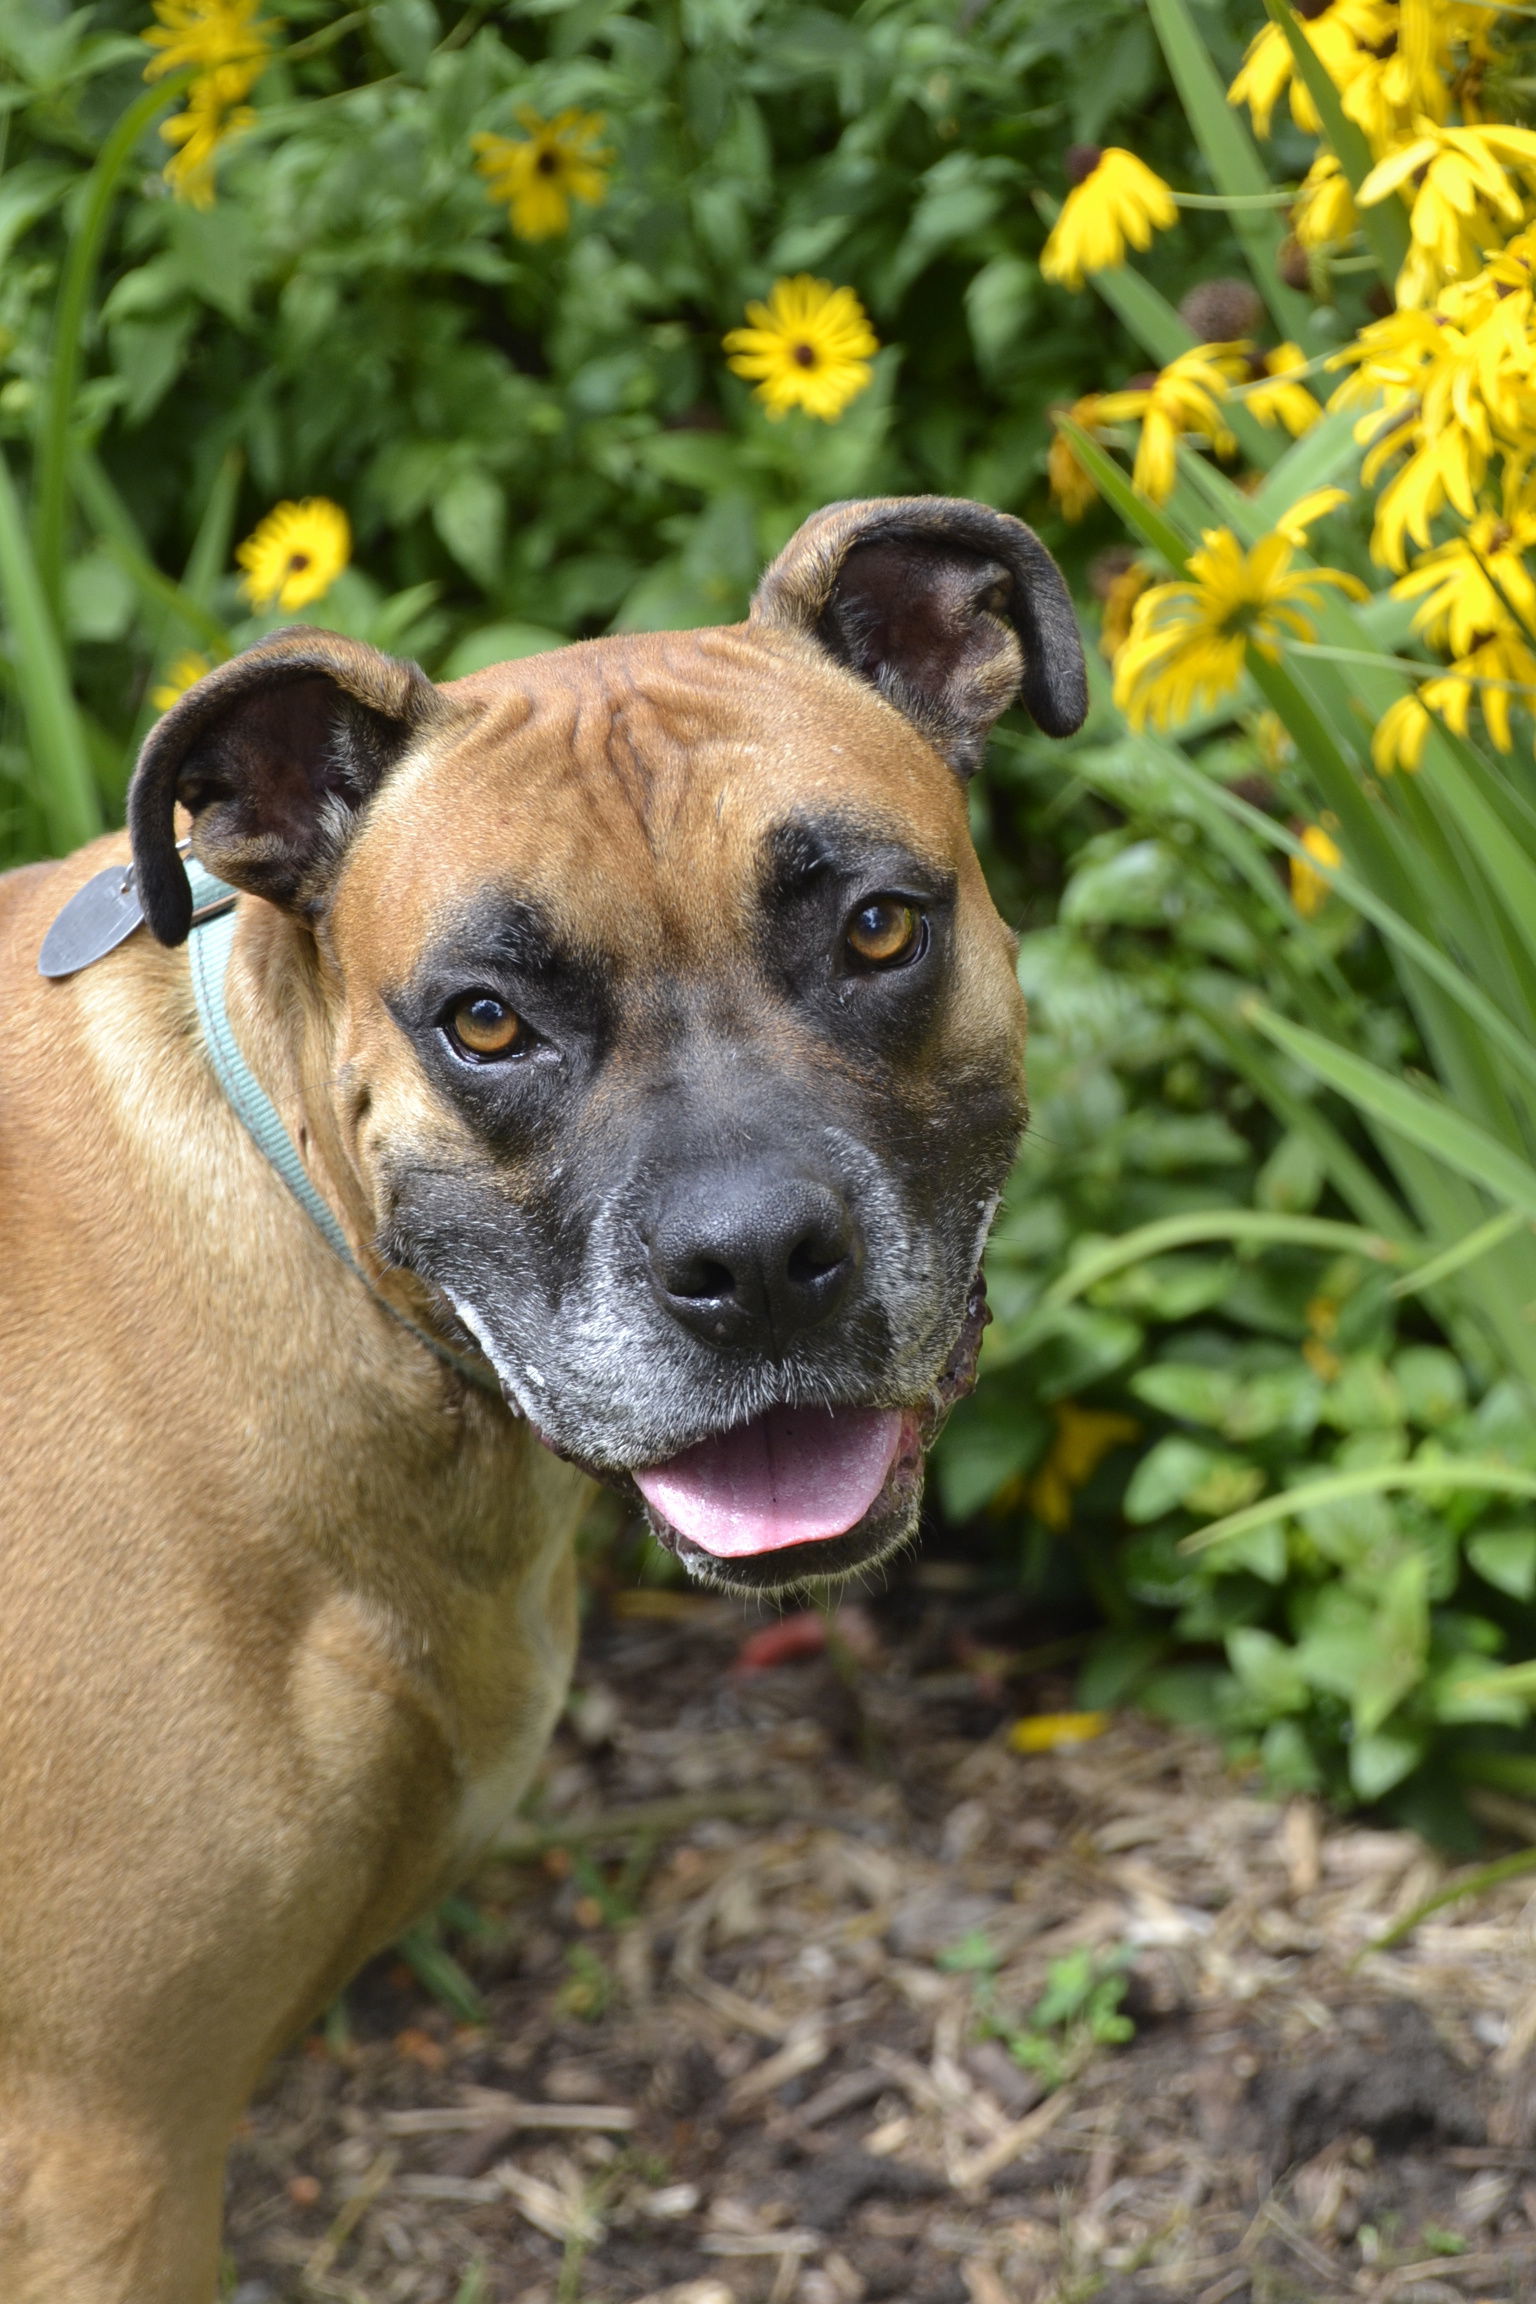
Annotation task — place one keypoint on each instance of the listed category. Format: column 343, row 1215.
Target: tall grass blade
column 1438, row 1130
column 52, row 477
column 61, row 759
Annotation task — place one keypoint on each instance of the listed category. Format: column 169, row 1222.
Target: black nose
column 750, row 1256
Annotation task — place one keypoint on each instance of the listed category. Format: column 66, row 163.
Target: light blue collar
column 209, row 948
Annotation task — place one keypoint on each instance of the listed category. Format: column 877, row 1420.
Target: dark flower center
column 298, row 562
column 803, row 355
column 1080, row 161
column 547, row 163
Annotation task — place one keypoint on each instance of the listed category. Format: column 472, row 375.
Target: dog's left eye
column 485, row 1027
column 885, row 933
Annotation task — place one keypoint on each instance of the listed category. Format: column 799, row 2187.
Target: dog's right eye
column 484, row 1027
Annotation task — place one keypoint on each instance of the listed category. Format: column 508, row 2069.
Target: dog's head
column 677, row 1043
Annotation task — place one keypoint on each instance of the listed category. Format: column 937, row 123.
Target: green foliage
column 1077, row 2014
column 533, row 441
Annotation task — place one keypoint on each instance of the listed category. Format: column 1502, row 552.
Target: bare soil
column 725, row 2055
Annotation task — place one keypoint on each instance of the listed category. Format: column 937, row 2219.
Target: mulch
column 746, row 1975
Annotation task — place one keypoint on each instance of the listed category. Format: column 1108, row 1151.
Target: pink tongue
column 794, row 1476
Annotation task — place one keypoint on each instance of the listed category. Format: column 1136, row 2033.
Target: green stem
column 64, row 783
column 52, row 483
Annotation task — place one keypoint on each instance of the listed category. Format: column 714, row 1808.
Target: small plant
column 1078, row 2013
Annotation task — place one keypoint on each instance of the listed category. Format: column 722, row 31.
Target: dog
column 646, row 1058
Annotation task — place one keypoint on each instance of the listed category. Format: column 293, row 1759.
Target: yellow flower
column 1084, row 1437
column 230, row 46
column 1474, row 584
column 1183, row 398
column 1056, row 1731
column 1466, row 197
column 1278, row 398
column 1400, row 735
column 296, row 554
column 1307, row 510
column 1069, row 483
column 808, row 347
column 1189, row 641
column 1119, row 606
column 1341, row 35
column 538, row 175
column 1500, row 670
column 207, row 34
column 213, row 115
column 1324, row 212
column 1309, row 889
column 179, row 677
column 1115, row 201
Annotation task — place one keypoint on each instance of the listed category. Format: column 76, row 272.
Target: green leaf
column 1506, row 1559
column 470, row 517
column 1378, row 1761
column 1268, row 1669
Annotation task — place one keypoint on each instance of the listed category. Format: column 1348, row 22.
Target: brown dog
column 641, row 1014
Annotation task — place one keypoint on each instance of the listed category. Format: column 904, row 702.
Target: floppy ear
column 273, row 755
column 949, row 609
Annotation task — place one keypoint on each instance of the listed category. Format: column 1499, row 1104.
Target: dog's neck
column 282, row 1002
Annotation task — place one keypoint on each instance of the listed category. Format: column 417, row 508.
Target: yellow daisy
column 1116, row 201
column 1182, row 398
column 1189, row 641
column 1309, row 889
column 1341, row 34
column 213, row 115
column 295, row 555
column 1497, row 673
column 1466, row 196
column 1400, row 735
column 180, row 675
column 1324, row 212
column 808, row 347
column 1279, row 397
column 1475, row 584
column 207, row 34
column 537, row 176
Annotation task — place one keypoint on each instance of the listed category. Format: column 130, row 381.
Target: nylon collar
column 209, row 947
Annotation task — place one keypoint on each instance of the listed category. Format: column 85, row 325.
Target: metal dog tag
column 97, row 918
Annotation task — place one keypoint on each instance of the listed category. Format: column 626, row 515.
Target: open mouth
column 804, row 1492
column 792, row 1476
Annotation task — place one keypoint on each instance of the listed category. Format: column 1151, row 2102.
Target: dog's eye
column 484, row 1026
column 884, row 933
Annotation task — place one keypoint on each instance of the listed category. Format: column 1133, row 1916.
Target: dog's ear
column 949, row 609
column 272, row 755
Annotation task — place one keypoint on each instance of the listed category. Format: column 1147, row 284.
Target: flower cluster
column 226, row 47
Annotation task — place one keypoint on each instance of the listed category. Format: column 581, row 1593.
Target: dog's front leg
column 100, row 2204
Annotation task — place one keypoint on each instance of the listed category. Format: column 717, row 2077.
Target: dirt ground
column 747, row 1976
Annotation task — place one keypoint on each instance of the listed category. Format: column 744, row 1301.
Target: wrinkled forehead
column 640, row 792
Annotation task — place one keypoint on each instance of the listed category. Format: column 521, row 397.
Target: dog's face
column 677, row 1044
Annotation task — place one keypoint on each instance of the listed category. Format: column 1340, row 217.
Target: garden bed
column 738, row 1987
